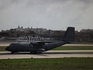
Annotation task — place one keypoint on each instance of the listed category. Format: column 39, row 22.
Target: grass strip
column 47, row 64
column 83, row 43
column 2, row 48
column 74, row 48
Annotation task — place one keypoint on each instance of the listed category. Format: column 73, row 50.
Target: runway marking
column 48, row 54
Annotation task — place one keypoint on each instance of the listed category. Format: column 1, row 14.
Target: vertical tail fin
column 69, row 35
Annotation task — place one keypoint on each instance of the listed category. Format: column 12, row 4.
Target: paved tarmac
column 48, row 54
column 7, row 44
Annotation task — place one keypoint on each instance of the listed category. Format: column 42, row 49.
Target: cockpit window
column 12, row 44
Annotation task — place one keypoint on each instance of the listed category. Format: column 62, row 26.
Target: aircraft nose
column 7, row 48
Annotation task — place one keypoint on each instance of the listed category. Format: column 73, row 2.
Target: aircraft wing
column 39, row 43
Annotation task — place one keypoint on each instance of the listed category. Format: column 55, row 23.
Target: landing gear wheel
column 35, row 52
column 31, row 52
column 12, row 52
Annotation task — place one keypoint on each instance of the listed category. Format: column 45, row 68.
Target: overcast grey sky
column 50, row 14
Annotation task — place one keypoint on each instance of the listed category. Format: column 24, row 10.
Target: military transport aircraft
column 41, row 46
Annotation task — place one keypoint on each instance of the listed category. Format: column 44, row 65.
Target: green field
column 47, row 64
column 83, row 43
column 74, row 48
column 2, row 48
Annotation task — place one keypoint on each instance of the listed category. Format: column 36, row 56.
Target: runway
column 48, row 54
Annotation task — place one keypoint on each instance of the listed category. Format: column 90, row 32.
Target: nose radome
column 7, row 48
